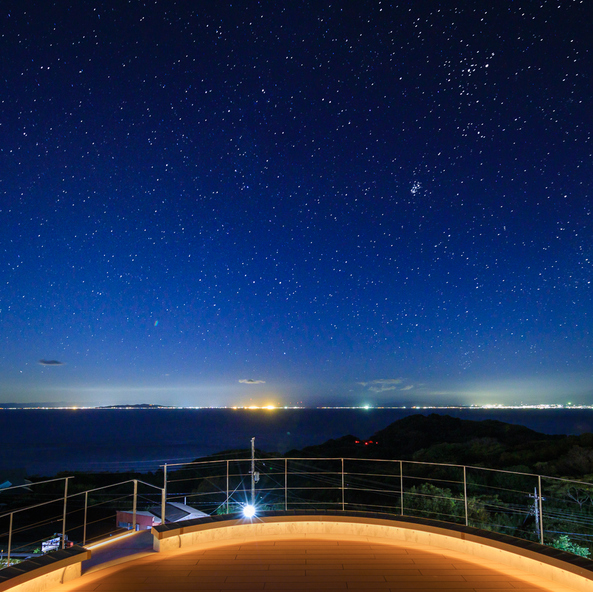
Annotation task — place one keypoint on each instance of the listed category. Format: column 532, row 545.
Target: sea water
column 48, row 441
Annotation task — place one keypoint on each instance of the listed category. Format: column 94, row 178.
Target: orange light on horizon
column 269, row 407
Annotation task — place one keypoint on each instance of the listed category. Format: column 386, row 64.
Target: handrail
column 353, row 458
column 115, row 485
column 396, row 488
column 64, row 500
column 23, row 485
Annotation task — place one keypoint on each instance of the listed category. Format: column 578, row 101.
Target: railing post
column 252, row 471
column 134, row 505
column 541, row 513
column 9, row 540
column 465, row 495
column 86, row 502
column 164, row 494
column 227, row 486
column 64, row 513
column 342, row 484
column 401, row 487
column 286, row 484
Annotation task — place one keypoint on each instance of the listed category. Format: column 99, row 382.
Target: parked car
column 55, row 543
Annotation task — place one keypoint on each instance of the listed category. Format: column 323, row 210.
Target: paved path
column 119, row 550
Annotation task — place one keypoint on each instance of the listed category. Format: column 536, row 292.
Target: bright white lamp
column 248, row 511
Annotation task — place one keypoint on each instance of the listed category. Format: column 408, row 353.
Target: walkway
column 135, row 544
column 311, row 565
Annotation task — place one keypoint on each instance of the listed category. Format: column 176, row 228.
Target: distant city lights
column 365, row 407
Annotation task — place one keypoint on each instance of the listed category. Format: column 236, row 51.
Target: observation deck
column 321, row 524
column 327, row 550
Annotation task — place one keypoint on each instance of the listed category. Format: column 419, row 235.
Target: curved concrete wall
column 385, row 531
column 47, row 571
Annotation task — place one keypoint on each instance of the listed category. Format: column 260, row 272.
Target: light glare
column 249, row 511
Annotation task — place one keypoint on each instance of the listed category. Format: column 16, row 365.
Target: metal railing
column 534, row 507
column 56, row 521
column 526, row 505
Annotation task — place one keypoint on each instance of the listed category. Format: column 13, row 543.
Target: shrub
column 565, row 544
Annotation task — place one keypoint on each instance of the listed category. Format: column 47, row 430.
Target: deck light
column 248, row 511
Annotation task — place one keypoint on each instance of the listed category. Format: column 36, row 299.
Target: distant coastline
column 547, row 406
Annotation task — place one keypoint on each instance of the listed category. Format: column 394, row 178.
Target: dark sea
column 43, row 442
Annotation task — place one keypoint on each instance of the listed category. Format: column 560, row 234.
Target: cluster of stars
column 320, row 194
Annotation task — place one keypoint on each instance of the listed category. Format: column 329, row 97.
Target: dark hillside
column 415, row 432
column 444, row 439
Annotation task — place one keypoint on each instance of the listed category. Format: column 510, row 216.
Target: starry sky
column 296, row 202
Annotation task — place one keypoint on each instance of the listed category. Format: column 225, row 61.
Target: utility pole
column 537, row 513
column 252, row 471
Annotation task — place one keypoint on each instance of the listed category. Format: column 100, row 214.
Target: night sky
column 356, row 202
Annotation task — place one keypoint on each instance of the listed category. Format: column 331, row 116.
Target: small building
column 15, row 485
column 145, row 520
column 176, row 512
column 12, row 487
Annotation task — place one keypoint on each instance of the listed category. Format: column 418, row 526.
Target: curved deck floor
column 309, row 564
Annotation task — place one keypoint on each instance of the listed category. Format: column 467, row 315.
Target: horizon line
column 149, row 406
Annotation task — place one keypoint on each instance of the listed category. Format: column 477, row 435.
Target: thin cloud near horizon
column 386, row 384
column 251, row 381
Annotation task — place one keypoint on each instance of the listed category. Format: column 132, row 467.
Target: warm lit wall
column 379, row 530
